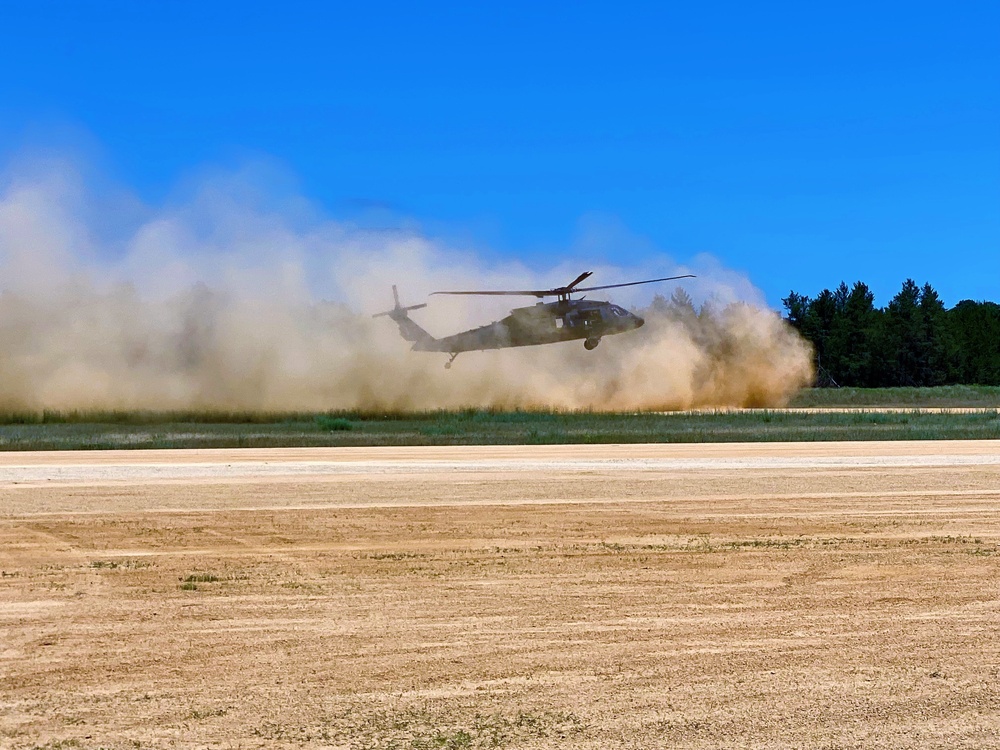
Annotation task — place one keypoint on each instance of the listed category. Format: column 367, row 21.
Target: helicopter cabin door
column 591, row 318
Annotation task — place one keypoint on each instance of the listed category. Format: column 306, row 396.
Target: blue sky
column 800, row 143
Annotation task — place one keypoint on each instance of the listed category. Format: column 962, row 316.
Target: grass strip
column 485, row 427
column 945, row 396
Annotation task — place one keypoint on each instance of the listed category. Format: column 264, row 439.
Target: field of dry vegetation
column 819, row 414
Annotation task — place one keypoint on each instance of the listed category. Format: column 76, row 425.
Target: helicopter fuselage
column 566, row 319
column 543, row 323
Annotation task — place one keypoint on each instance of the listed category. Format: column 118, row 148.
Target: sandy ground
column 825, row 595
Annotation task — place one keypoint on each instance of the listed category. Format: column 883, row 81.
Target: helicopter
column 565, row 319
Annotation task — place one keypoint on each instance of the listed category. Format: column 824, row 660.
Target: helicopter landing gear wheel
column 447, row 365
column 591, row 344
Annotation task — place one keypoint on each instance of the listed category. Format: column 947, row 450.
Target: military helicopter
column 565, row 319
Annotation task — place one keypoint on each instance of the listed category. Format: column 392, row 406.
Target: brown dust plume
column 229, row 299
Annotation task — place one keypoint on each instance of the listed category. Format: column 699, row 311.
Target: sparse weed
column 128, row 564
column 209, row 713
column 392, row 556
column 767, row 543
column 201, row 578
column 421, row 729
column 983, row 551
column 191, row 582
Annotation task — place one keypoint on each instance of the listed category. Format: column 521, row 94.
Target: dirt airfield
column 806, row 595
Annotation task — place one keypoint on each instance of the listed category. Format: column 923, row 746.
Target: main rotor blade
column 633, row 283
column 522, row 293
column 577, row 280
column 565, row 290
column 541, row 293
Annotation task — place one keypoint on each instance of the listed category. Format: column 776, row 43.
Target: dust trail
column 233, row 298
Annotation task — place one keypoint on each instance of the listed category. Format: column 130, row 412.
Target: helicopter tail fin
column 407, row 328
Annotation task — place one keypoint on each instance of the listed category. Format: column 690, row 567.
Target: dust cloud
column 232, row 296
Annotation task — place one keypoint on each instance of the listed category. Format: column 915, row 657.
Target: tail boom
column 409, row 330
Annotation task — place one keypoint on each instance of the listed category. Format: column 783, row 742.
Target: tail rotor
column 408, row 329
column 398, row 311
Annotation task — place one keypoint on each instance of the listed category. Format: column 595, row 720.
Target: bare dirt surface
column 807, row 595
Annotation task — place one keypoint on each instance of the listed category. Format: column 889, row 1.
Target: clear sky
column 801, row 143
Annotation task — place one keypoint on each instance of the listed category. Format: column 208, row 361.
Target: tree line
column 912, row 341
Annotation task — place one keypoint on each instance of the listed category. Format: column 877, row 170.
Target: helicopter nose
column 639, row 322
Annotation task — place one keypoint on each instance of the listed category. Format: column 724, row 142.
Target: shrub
column 330, row 423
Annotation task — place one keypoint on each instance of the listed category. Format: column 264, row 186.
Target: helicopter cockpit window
column 618, row 311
